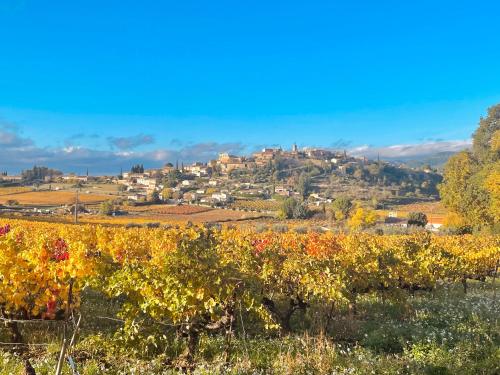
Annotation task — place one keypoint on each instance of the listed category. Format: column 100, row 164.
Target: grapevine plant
column 196, row 281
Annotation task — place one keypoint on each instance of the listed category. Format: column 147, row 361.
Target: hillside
column 357, row 178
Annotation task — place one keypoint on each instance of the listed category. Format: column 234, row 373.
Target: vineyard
column 256, row 205
column 162, row 209
column 178, row 295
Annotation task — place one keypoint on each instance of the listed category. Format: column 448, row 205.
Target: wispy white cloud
column 78, row 138
column 10, row 137
column 132, row 142
column 411, row 150
column 18, row 152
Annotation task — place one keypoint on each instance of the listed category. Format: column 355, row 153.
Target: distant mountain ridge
column 437, row 160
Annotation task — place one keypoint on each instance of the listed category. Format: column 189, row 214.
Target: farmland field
column 94, row 188
column 51, row 198
column 434, row 211
column 13, row 190
column 198, row 217
column 435, row 208
column 260, row 205
column 164, row 209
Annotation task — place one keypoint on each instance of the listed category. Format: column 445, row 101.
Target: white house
column 75, row 178
column 198, row 169
column 149, row 183
column 220, row 197
column 137, row 196
column 434, row 227
column 283, row 190
column 11, row 178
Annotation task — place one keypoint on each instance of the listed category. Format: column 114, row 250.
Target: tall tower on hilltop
column 295, row 149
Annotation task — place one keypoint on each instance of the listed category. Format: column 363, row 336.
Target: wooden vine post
column 64, row 347
column 495, row 281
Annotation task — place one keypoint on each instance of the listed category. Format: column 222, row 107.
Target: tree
column 167, row 193
column 39, row 173
column 362, row 219
column 457, row 173
column 301, row 211
column 341, row 207
column 167, row 182
column 467, row 188
column 483, row 136
column 495, row 144
column 418, row 219
column 287, row 208
column 277, row 176
column 456, row 224
column 172, row 178
column 107, row 208
column 138, row 168
column 304, row 185
column 492, row 185
column 155, row 197
column 339, row 215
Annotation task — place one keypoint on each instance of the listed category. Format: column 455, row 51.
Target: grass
column 445, row 332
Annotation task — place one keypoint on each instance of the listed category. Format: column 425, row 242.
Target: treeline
column 39, row 173
column 138, row 168
column 471, row 186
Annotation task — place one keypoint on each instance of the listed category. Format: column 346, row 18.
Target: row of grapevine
column 198, row 280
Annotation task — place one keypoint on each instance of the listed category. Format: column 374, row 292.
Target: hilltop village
column 315, row 174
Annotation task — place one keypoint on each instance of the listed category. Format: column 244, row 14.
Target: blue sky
column 106, row 83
